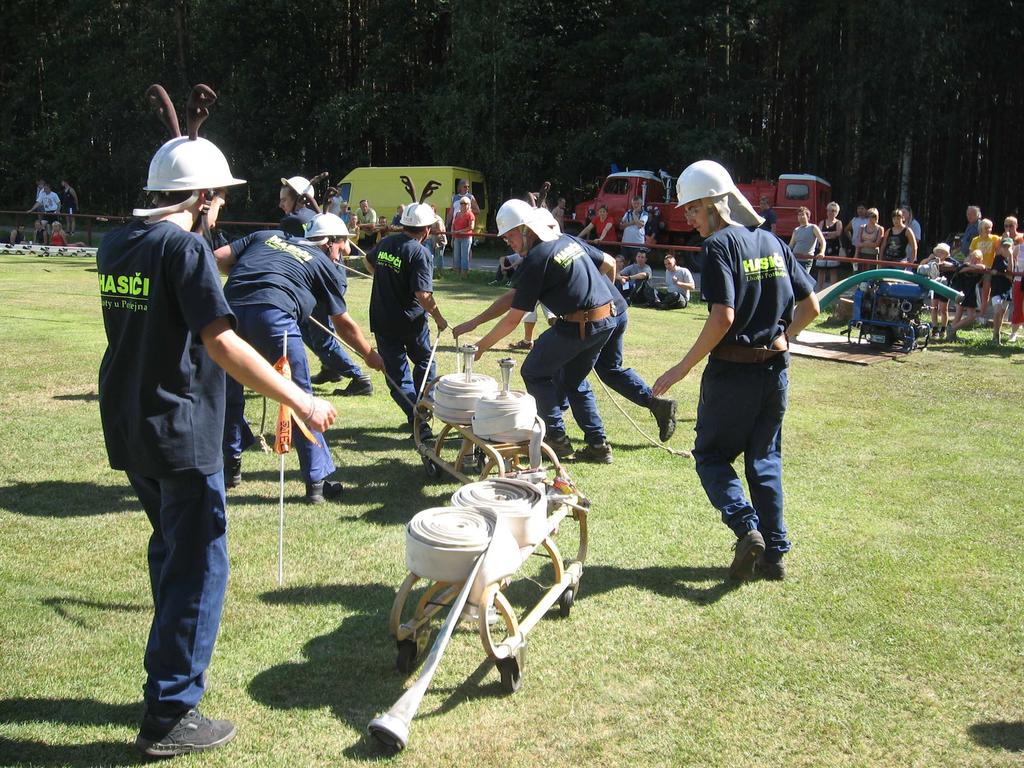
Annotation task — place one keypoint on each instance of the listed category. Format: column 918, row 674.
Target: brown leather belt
column 583, row 316
column 737, row 353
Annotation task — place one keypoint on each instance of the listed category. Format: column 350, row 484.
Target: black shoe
column 769, row 571
column 560, row 445
column 191, row 733
column 359, row 385
column 664, row 411
column 233, row 472
column 426, row 433
column 595, row 454
column 326, row 376
column 748, row 549
column 324, row 490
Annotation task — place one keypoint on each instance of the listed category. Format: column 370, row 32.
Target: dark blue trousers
column 396, row 352
column 561, row 361
column 740, row 411
column 608, row 368
column 188, row 576
column 328, row 350
column 264, row 327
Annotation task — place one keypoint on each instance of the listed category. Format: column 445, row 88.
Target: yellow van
column 384, row 190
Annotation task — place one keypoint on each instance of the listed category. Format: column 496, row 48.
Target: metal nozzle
column 468, row 353
column 506, row 364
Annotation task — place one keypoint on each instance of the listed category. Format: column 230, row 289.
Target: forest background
column 892, row 102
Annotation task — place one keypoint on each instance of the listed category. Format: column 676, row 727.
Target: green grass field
column 897, row 639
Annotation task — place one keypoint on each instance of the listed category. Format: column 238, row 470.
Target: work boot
column 326, row 376
column 664, row 411
column 560, row 445
column 763, row 569
column 323, row 490
column 595, row 454
column 233, row 472
column 190, row 733
column 359, row 385
column 426, row 433
column 748, row 549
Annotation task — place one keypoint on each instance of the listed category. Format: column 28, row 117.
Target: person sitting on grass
column 966, row 280
column 57, row 237
column 506, row 266
column 632, row 278
column 678, row 284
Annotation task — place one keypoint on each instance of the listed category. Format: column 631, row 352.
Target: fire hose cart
column 486, row 428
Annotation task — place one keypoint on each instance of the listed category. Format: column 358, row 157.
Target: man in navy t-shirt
column 558, row 272
column 170, row 338
column 274, row 283
column 757, row 295
column 400, row 300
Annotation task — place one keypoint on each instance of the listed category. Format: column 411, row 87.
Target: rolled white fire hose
column 510, row 417
column 455, row 398
column 520, row 505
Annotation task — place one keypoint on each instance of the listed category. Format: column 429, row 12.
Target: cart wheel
column 432, row 469
column 407, row 652
column 565, row 602
column 511, row 674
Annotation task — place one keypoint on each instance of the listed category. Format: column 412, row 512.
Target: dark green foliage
column 527, row 92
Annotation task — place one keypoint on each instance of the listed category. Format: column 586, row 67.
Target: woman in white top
column 832, row 230
column 871, row 237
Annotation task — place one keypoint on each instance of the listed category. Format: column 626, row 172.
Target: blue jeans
column 188, row 576
column 740, row 411
column 327, row 348
column 462, row 247
column 561, row 361
column 608, row 368
column 396, row 352
column 264, row 327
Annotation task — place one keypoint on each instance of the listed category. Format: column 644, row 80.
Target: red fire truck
column 791, row 191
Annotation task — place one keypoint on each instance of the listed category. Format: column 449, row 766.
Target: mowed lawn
column 897, row 639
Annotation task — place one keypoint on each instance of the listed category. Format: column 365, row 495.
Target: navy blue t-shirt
column 286, row 272
column 161, row 396
column 597, row 256
column 756, row 274
column 401, row 267
column 561, row 275
column 770, row 218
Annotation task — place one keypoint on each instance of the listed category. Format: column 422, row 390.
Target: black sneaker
column 748, row 549
column 664, row 411
column 595, row 454
column 326, row 376
column 769, row 571
column 324, row 490
column 233, row 472
column 560, row 445
column 359, row 385
column 191, row 733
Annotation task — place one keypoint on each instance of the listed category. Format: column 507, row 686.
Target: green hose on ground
column 828, row 296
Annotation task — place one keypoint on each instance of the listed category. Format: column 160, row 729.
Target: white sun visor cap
column 418, row 215
column 326, row 225
column 301, row 186
column 708, row 179
column 183, row 164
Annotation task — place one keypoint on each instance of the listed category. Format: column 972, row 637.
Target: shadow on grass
column 58, row 498
column 65, row 607
column 328, row 675
column 701, row 586
column 88, row 397
column 354, row 692
column 999, row 735
column 67, row 712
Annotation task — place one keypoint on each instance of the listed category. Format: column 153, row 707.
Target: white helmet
column 518, row 213
column 708, row 179
column 186, row 164
column 544, row 217
column 301, row 186
column 326, row 225
column 418, row 215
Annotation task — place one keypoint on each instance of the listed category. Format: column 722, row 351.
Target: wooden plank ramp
column 829, row 346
